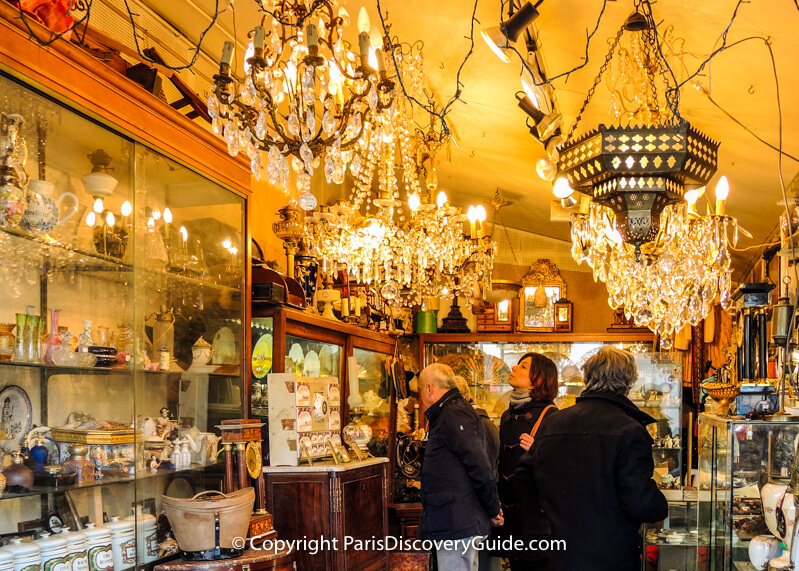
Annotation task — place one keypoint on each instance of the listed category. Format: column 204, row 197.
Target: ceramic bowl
column 675, row 537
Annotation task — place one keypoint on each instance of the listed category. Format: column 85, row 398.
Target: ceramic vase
column 778, row 497
column 306, row 270
column 53, row 342
column 357, row 430
column 7, row 341
column 39, row 453
column 42, row 210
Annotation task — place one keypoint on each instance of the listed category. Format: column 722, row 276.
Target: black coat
column 492, row 437
column 592, row 466
column 459, row 493
column 523, row 516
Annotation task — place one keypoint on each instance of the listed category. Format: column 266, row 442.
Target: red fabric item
column 54, row 14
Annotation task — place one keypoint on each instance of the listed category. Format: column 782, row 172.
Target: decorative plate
column 16, row 413
column 311, row 366
column 262, row 356
column 297, row 357
column 253, row 458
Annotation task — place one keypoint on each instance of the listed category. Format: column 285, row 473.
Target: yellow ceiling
column 495, row 150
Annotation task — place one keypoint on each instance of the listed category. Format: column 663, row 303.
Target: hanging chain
column 591, row 91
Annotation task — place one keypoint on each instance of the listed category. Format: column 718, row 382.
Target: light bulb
column 98, row 206
column 226, row 244
column 167, row 216
column 444, row 290
column 364, row 25
column 150, row 222
column 110, row 219
column 184, row 233
column 562, row 188
column 722, row 189
column 372, row 58
column 691, row 196
column 91, row 218
column 156, row 214
column 126, row 208
column 414, row 202
column 480, row 211
column 471, row 214
column 545, row 169
column 234, row 250
column 441, row 200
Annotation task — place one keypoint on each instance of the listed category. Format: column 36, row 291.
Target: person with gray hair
column 458, row 488
column 592, row 468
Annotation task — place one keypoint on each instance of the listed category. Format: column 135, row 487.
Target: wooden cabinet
column 333, row 503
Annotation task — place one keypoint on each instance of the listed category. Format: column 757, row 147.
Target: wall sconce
column 499, row 38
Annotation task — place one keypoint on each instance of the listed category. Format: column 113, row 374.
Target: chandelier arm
column 598, row 78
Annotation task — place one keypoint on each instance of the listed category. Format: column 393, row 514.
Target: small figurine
column 675, row 442
column 163, row 426
column 99, row 458
column 153, row 464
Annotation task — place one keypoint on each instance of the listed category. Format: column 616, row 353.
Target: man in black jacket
column 459, row 492
column 592, row 467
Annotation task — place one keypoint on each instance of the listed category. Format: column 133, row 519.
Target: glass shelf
column 110, row 477
column 51, row 370
column 59, row 257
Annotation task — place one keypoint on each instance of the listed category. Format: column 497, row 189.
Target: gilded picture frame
column 542, row 286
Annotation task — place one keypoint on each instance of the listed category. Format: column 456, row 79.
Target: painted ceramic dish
column 262, row 357
column 16, row 413
column 311, row 366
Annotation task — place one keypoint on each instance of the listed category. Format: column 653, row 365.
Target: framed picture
column 563, row 315
column 542, row 286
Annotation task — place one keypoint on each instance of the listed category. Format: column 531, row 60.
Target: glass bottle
column 53, row 342
column 85, row 339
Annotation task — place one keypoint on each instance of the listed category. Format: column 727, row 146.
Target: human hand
column 525, row 441
column 498, row 520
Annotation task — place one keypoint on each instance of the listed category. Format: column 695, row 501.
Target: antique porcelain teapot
column 41, row 214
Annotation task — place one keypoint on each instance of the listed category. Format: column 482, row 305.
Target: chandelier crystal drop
column 306, row 95
column 660, row 260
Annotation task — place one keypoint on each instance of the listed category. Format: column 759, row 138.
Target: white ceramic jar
column 763, row 549
column 146, row 535
column 123, row 543
column 53, row 552
column 27, row 556
column 77, row 546
column 98, row 548
column 6, row 561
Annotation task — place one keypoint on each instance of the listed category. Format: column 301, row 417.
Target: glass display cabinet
column 287, row 340
column 122, row 312
column 742, row 465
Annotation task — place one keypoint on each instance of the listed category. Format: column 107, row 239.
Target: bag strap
column 540, row 418
column 197, row 496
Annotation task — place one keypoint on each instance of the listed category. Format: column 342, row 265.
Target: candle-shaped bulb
column 226, row 244
column 110, row 219
column 184, row 233
column 372, row 58
column 471, row 214
column 150, row 222
column 480, row 211
column 167, row 216
column 364, row 25
column 441, row 199
column 414, row 202
column 722, row 192
column 156, row 214
column 91, row 219
column 126, row 208
column 98, row 206
column 227, row 53
column 363, row 37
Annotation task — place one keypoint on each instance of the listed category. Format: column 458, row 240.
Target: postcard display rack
column 133, row 253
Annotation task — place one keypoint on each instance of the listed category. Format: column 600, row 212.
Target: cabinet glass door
column 373, row 384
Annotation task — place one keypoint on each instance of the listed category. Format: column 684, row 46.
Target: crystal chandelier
column 637, row 226
column 306, row 96
column 408, row 255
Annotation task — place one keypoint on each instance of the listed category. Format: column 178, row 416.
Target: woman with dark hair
column 535, row 384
